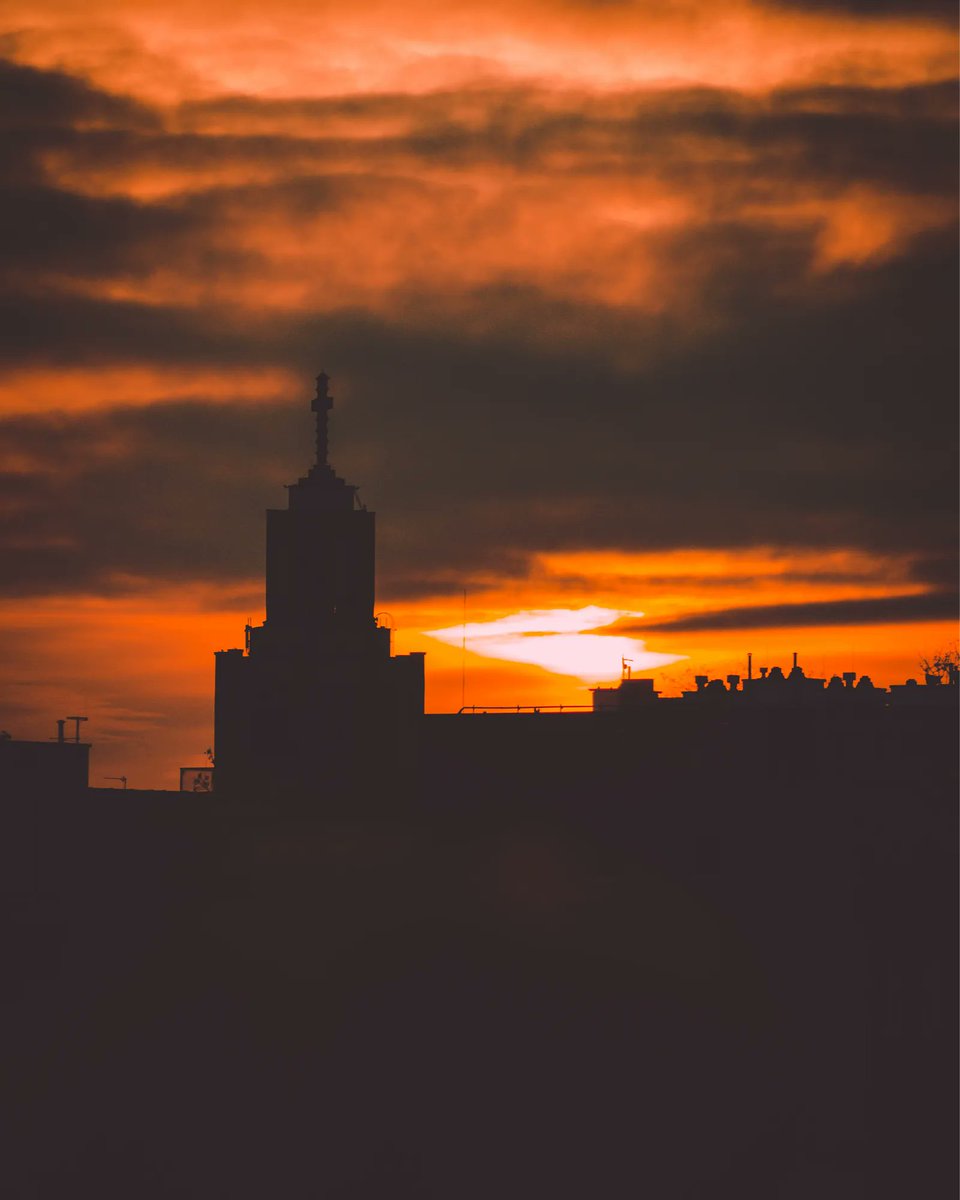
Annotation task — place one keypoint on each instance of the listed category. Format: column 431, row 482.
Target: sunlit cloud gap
column 559, row 641
column 74, row 389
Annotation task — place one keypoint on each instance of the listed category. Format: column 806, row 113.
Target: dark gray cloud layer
column 808, row 410
column 478, row 452
column 943, row 10
column 880, row 610
column 48, row 100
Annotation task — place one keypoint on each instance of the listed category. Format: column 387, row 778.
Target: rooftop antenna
column 321, row 405
column 76, row 729
column 625, row 667
column 749, row 666
column 463, row 654
column 122, row 779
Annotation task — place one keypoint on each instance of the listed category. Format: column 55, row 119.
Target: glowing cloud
column 558, row 640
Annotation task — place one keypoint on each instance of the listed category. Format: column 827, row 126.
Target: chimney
column 60, row 725
column 749, row 666
column 794, row 660
column 733, row 680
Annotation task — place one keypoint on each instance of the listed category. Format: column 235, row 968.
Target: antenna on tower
column 321, row 405
column 463, row 655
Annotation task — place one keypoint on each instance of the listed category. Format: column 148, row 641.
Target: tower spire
column 322, row 487
column 322, row 403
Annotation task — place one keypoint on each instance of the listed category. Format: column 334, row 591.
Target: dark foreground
column 728, row 973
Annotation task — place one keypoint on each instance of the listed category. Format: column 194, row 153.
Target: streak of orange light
column 73, row 389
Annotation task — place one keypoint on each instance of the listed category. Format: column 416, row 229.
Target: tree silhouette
column 944, row 665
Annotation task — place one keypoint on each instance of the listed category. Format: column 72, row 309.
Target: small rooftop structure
column 629, row 694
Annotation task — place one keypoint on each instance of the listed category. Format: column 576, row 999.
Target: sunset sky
column 642, row 308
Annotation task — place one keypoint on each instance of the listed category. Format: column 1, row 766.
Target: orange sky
column 645, row 220
column 140, row 665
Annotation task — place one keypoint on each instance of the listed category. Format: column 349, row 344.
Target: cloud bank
column 628, row 279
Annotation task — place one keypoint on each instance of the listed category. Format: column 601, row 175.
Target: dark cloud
column 862, row 8
column 171, row 492
column 44, row 110
column 51, row 328
column 772, row 405
column 895, row 135
column 942, row 10
column 694, row 138
column 880, row 610
column 690, row 140
column 52, row 99
column 481, row 450
column 51, row 230
column 938, row 570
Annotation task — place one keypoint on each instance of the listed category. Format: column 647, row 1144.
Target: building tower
column 316, row 698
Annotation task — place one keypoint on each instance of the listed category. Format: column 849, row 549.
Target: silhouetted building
column 316, row 706
column 316, row 701
column 933, row 693
column 57, row 767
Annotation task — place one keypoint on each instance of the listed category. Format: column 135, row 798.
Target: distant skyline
column 641, row 307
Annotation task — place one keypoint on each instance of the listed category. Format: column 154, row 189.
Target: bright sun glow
column 558, row 640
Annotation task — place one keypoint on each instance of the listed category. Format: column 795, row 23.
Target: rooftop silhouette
column 316, row 705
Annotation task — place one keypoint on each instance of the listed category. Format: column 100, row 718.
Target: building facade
column 315, row 703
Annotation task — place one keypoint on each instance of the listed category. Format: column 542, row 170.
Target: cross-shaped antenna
column 321, row 405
